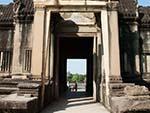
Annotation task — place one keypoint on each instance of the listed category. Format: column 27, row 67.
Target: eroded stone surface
column 126, row 104
column 18, row 103
column 28, row 85
column 136, row 90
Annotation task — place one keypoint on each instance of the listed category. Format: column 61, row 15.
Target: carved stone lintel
column 112, row 6
column 115, row 79
column 39, row 7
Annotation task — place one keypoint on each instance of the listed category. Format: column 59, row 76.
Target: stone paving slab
column 77, row 105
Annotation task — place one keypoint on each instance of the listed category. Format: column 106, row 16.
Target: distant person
column 75, row 86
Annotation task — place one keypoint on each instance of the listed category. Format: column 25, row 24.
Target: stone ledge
column 136, row 90
column 127, row 104
column 117, row 89
column 7, row 90
column 14, row 102
column 28, row 85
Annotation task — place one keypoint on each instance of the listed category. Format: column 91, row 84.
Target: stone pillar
column 106, row 68
column 114, row 47
column 135, row 35
column 110, row 34
column 17, row 59
column 52, row 57
column 48, row 43
column 38, row 35
column 99, row 66
column 95, row 68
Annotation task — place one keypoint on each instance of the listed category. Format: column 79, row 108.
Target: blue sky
column 5, row 1
column 76, row 66
column 142, row 2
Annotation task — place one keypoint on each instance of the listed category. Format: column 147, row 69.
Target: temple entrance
column 75, row 48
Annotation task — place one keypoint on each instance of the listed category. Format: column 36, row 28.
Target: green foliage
column 76, row 77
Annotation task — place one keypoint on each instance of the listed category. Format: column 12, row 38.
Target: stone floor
column 75, row 103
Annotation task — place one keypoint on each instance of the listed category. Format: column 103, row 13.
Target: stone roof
column 128, row 8
column 144, row 15
column 6, row 14
column 26, row 7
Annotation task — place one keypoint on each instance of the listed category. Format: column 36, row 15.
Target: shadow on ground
column 70, row 99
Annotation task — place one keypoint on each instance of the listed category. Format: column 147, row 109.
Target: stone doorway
column 74, row 48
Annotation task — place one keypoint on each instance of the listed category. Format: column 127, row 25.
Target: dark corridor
column 78, row 48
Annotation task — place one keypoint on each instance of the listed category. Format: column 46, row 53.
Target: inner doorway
column 76, row 75
column 74, row 48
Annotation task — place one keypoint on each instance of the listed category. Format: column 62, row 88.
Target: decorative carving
column 112, row 6
column 115, row 79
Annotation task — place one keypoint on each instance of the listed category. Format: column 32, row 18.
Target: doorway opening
column 75, row 48
column 76, row 75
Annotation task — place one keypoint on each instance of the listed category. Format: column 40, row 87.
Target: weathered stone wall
column 26, row 44
column 27, row 35
column 22, row 42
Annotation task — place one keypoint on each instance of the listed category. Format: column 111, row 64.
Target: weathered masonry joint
column 37, row 37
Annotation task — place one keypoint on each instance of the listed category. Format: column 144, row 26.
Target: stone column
column 38, row 35
column 52, row 56
column 110, row 34
column 106, row 68
column 99, row 65
column 114, row 47
column 95, row 68
column 135, row 36
column 48, row 43
column 17, row 59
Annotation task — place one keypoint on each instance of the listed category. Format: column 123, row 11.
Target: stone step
column 8, row 85
column 9, row 82
column 7, row 90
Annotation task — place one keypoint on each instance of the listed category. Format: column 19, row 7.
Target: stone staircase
column 8, row 87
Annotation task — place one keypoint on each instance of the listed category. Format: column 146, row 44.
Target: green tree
column 76, row 77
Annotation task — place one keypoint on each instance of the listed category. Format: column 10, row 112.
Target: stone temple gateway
column 37, row 37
